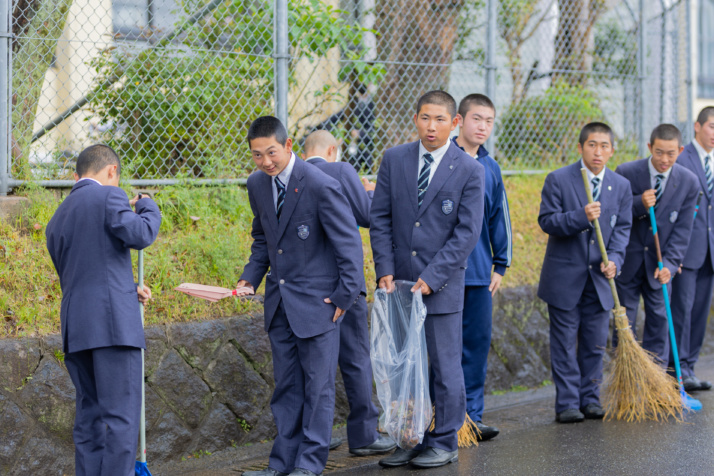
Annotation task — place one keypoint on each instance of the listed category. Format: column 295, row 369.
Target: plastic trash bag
column 400, row 364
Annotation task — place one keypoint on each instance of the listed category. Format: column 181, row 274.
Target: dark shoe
column 691, row 384
column 435, row 457
column 383, row 444
column 398, row 458
column 265, row 472
column 303, row 472
column 571, row 415
column 704, row 384
column 486, row 432
column 335, row 443
column 593, row 411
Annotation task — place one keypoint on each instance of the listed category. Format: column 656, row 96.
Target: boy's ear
column 76, row 177
column 460, row 118
column 580, row 148
column 455, row 122
column 649, row 147
column 289, row 145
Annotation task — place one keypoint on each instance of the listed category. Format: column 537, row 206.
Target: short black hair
column 475, row 100
column 705, row 114
column 666, row 132
column 268, row 126
column 95, row 157
column 594, row 128
column 439, row 98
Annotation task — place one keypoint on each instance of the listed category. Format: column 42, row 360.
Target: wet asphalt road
column 532, row 443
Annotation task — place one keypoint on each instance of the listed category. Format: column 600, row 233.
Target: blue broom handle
column 142, row 421
column 667, row 306
column 696, row 207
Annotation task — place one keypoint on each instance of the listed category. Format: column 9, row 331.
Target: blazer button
column 592, row 242
column 282, row 281
column 417, row 224
column 590, row 266
column 280, row 252
column 650, row 228
column 414, row 253
column 646, row 248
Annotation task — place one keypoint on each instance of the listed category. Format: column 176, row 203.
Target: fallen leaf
column 194, row 218
column 37, row 226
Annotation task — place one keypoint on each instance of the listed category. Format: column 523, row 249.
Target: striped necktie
column 596, row 188
column 659, row 179
column 280, row 186
column 423, row 182
column 708, row 174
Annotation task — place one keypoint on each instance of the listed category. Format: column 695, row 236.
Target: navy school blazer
column 431, row 242
column 702, row 238
column 359, row 199
column 89, row 239
column 674, row 215
column 572, row 253
column 313, row 253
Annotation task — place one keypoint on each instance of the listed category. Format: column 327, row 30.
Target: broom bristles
column 636, row 387
column 468, row 433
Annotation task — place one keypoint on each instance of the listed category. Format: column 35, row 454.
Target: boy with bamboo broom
column 574, row 280
column 672, row 190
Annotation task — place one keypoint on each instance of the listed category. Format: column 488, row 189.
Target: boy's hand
column 138, row 197
column 144, row 294
column 495, row 283
column 425, row 289
column 662, row 276
column 368, row 186
column 592, row 210
column 387, row 282
column 338, row 311
column 244, row 284
column 609, row 271
column 648, row 198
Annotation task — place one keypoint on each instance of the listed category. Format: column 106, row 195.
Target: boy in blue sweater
column 487, row 263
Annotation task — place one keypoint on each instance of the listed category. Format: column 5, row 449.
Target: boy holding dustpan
column 574, row 280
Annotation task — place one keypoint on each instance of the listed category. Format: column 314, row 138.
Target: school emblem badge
column 613, row 221
column 447, row 206
column 303, row 232
column 673, row 216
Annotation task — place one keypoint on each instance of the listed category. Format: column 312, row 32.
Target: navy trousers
column 691, row 301
column 443, row 344
column 356, row 368
column 655, row 336
column 303, row 402
column 106, row 427
column 478, row 308
column 577, row 343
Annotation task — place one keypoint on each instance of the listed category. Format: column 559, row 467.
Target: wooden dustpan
column 211, row 293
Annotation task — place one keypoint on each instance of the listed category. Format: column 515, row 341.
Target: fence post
column 690, row 80
column 641, row 56
column 490, row 65
column 5, row 75
column 281, row 58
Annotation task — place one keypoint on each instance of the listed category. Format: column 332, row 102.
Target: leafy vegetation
column 204, row 238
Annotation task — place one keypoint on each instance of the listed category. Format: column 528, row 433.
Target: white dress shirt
column 89, row 178
column 284, row 177
column 654, row 173
column 438, row 154
column 601, row 176
column 703, row 154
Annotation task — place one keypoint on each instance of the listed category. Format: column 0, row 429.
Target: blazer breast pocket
column 447, row 202
column 303, row 225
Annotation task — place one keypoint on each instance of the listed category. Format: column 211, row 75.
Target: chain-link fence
column 174, row 84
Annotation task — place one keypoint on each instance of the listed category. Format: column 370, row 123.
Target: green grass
column 209, row 250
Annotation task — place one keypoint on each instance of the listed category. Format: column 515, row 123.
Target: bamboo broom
column 635, row 388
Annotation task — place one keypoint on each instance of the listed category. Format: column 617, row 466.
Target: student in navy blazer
column 656, row 181
column 429, row 244
column 304, row 232
column 89, row 239
column 573, row 280
column 355, row 364
column 692, row 289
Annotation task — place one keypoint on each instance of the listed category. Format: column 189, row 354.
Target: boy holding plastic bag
column 425, row 219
